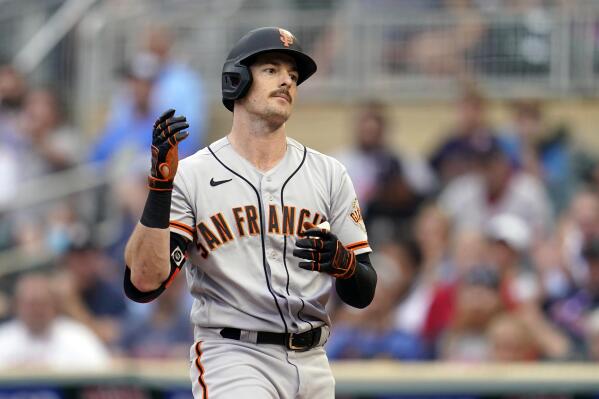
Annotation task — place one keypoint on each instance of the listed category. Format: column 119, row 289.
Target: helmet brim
column 306, row 66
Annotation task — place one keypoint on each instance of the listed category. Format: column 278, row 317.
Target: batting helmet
column 236, row 76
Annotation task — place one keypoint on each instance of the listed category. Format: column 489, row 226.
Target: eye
column 294, row 77
column 269, row 70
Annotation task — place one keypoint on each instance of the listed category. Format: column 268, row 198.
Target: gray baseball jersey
column 243, row 224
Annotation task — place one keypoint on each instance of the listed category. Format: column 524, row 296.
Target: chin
column 277, row 115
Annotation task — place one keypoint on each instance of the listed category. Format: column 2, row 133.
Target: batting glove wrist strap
column 168, row 131
column 159, row 184
column 157, row 211
column 324, row 253
column 344, row 262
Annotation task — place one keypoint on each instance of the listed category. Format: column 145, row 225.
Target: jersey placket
column 278, row 274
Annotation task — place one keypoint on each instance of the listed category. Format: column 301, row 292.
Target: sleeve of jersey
column 346, row 216
column 182, row 220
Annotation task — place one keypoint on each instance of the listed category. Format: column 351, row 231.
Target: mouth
column 284, row 96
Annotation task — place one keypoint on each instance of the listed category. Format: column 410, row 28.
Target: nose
column 286, row 80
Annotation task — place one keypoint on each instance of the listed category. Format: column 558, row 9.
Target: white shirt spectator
column 465, row 200
column 67, row 345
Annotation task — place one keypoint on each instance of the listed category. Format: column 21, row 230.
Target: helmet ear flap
column 236, row 81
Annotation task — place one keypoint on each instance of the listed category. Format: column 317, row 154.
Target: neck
column 260, row 142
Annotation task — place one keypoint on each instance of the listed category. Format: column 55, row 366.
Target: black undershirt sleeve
column 177, row 259
column 358, row 290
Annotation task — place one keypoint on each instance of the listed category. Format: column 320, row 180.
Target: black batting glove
column 168, row 132
column 324, row 253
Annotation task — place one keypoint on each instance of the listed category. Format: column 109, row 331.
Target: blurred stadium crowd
column 487, row 248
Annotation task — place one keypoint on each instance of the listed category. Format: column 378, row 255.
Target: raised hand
column 167, row 133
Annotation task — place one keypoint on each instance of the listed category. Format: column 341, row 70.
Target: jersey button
column 268, row 178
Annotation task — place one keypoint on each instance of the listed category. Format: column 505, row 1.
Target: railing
column 159, row 379
column 388, row 53
column 84, row 182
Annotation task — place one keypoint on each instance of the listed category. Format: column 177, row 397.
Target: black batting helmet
column 236, row 76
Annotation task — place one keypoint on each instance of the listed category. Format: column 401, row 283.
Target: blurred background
column 470, row 131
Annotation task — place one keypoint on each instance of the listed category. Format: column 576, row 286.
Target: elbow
column 146, row 281
column 363, row 301
column 361, row 295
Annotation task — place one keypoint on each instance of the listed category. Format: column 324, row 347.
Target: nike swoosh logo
column 215, row 183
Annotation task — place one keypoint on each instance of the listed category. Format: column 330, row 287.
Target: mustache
column 282, row 92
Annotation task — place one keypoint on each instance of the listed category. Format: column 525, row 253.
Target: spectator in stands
column 128, row 133
column 592, row 336
column 391, row 211
column 165, row 332
column 432, row 233
column 373, row 331
column 468, row 249
column 521, row 45
column 540, row 150
column 438, row 49
column 578, row 226
column 13, row 90
column 370, row 155
column 52, row 145
column 472, row 200
column 466, row 252
column 521, row 289
column 443, row 49
column 554, row 275
column 129, row 195
column 415, row 288
column 87, row 291
column 477, row 301
column 155, row 82
column 508, row 240
column 460, row 153
column 38, row 337
column 571, row 312
column 510, row 340
column 370, row 152
column 177, row 86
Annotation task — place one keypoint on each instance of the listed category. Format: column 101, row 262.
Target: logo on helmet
column 286, row 37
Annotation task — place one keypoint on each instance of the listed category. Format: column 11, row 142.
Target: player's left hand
column 324, row 252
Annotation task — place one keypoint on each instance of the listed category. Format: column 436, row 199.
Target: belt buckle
column 293, row 347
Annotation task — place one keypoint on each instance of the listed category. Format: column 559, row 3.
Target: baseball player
column 266, row 225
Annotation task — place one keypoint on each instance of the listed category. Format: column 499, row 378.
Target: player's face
column 274, row 87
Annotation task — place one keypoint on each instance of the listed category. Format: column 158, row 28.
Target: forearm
column 147, row 256
column 358, row 291
column 147, row 253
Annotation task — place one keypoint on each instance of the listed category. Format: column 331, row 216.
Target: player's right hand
column 168, row 132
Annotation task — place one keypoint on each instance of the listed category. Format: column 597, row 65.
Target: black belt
column 296, row 342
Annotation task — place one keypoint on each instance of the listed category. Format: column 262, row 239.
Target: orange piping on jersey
column 357, row 245
column 288, row 220
column 273, row 220
column 304, row 213
column 201, row 370
column 223, row 228
column 172, row 277
column 183, row 227
column 239, row 220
